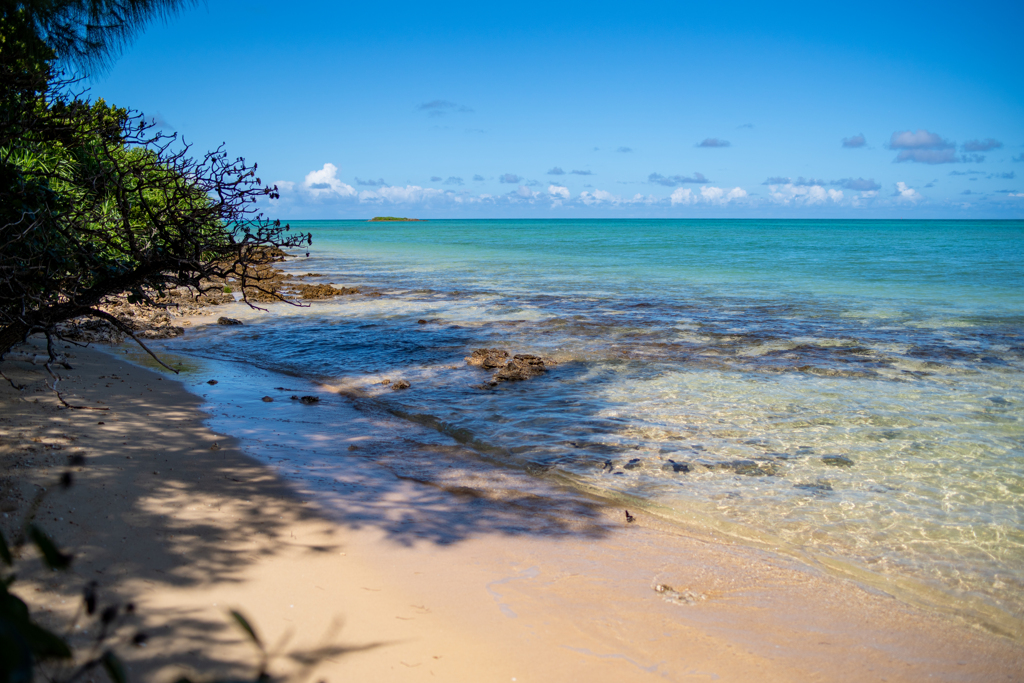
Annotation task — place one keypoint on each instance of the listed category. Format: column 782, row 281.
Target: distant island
column 393, row 218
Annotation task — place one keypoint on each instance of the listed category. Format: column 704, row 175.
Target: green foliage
column 94, row 203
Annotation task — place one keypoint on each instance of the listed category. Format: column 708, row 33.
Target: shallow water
column 851, row 392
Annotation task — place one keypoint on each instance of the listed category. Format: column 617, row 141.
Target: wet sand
column 479, row 575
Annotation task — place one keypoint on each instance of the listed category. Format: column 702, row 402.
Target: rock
column 818, row 488
column 673, row 466
column 164, row 332
column 353, row 447
column 400, row 384
column 228, row 321
column 322, row 291
column 212, row 381
column 385, row 382
column 268, row 399
column 422, row 322
column 837, row 461
column 632, row 464
column 310, row 400
column 487, row 358
column 522, row 366
column 750, row 468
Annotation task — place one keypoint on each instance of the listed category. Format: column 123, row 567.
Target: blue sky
column 599, row 110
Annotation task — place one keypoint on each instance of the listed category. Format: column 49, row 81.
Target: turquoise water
column 851, row 392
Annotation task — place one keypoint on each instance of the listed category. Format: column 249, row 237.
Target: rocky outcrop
column 322, row 291
column 522, row 366
column 487, row 358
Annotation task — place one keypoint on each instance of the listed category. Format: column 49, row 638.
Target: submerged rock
column 268, row 399
column 400, row 384
column 673, row 466
column 817, row 487
column 837, row 461
column 228, row 321
column 310, row 400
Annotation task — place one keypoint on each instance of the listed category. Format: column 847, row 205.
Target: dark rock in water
column 212, row 381
column 385, row 382
column 749, row 468
column 228, row 321
column 837, row 461
column 322, row 291
column 607, row 467
column 817, row 487
column 353, row 447
column 422, row 322
column 268, row 399
column 487, row 358
column 522, row 366
column 632, row 464
column 673, row 466
column 310, row 400
column 400, row 384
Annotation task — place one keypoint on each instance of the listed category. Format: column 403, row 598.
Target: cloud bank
column 322, row 192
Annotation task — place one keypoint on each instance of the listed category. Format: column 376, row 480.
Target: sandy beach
column 403, row 580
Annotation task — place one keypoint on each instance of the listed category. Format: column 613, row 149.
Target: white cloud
column 682, row 196
column 559, row 191
column 720, row 196
column 803, row 195
column 598, row 197
column 325, row 183
column 906, row 193
column 410, row 194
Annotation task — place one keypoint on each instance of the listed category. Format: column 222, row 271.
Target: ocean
column 850, row 393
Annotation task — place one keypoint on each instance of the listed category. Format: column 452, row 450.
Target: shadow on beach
column 164, row 504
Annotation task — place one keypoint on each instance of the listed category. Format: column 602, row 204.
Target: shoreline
column 976, row 609
column 490, row 600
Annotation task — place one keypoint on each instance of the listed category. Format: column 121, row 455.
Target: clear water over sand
column 851, row 392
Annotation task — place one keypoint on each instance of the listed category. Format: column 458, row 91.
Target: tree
column 95, row 203
column 87, row 34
